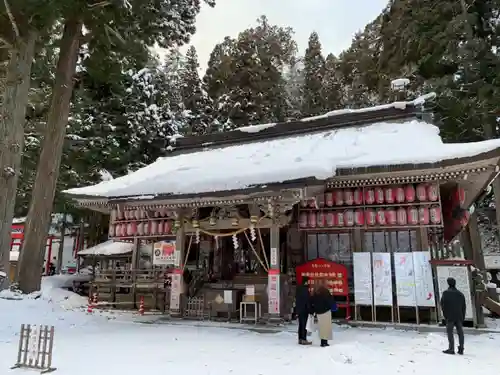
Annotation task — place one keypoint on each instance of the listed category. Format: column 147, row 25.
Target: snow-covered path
column 97, row 345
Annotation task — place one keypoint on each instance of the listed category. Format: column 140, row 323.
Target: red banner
column 17, row 231
column 335, row 275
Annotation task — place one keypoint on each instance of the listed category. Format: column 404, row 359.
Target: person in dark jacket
column 453, row 307
column 303, row 309
column 322, row 302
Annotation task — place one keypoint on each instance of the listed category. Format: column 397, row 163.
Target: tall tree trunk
column 60, row 252
column 44, row 188
column 12, row 118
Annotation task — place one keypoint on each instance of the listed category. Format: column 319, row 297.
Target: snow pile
column 316, row 155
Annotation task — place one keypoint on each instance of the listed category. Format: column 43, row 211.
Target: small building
column 370, row 200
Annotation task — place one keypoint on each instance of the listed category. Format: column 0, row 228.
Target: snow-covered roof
column 109, row 248
column 313, row 155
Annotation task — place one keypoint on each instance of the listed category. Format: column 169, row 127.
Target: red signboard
column 335, row 275
column 17, row 231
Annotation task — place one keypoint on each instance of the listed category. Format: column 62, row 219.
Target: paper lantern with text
column 423, row 215
column 167, row 227
column 369, row 196
column 154, row 227
column 303, row 220
column 348, row 197
column 330, row 219
column 134, row 228
column 370, row 217
column 435, row 215
column 339, row 219
column 412, row 214
column 349, row 218
column 389, row 195
column 329, row 199
column 111, row 231
column 339, row 197
column 321, row 220
column 146, row 228
column 390, row 216
column 320, row 200
column 119, row 230
column 359, row 217
column 130, row 230
column 433, row 192
column 160, row 227
column 379, row 195
column 312, row 220
column 380, row 217
column 400, row 194
column 421, row 192
column 401, row 216
column 409, row 193
column 358, row 197
column 140, row 229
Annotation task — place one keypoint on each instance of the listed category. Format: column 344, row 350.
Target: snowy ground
column 102, row 343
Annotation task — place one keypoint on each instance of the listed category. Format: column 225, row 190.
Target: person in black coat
column 453, row 307
column 303, row 309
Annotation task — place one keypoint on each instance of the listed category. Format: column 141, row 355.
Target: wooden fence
column 35, row 348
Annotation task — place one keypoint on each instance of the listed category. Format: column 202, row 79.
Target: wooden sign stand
column 35, row 348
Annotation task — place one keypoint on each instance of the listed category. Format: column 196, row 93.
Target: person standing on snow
column 303, row 309
column 453, row 307
column 322, row 302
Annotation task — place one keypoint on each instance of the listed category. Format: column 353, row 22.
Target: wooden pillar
column 177, row 286
column 273, row 279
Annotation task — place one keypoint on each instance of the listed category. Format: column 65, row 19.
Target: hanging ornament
column 253, row 221
column 390, row 216
column 216, row 241
column 195, row 223
column 433, row 192
column 421, row 192
column 303, row 220
column 348, row 197
column 380, row 216
column 359, row 217
column 423, row 215
column 402, row 216
column 435, row 215
column 358, row 197
column 197, row 236
column 320, row 220
column 330, row 220
column 235, row 242
column 400, row 194
column 370, row 196
column 389, row 195
column 339, row 197
column 339, row 220
column 312, row 220
column 409, row 193
column 371, row 217
column 329, row 199
column 379, row 195
column 349, row 218
column 412, row 215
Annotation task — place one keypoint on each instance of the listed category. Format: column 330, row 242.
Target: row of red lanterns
column 377, row 195
column 137, row 214
column 348, row 218
column 141, row 229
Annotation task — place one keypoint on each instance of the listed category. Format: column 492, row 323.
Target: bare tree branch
column 11, row 18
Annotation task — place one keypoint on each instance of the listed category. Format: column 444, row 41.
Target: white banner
column 175, row 291
column 405, row 279
column 461, row 275
column 424, row 282
column 274, row 294
column 382, row 279
column 363, row 286
column 165, row 253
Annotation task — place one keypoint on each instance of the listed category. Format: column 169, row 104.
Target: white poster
column 363, row 286
column 424, row 283
column 250, row 290
column 405, row 279
column 175, row 291
column 461, row 275
column 164, row 253
column 382, row 279
column 228, row 296
column 274, row 294
column 274, row 257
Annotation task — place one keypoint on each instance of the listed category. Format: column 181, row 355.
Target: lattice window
column 390, row 241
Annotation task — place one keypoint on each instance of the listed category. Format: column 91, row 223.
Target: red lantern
column 358, row 197
column 329, row 199
column 412, row 214
column 370, row 196
column 167, row 227
column 147, row 228
column 330, row 220
column 400, row 194
column 303, row 220
column 433, row 192
column 401, row 216
column 339, row 220
column 348, row 197
column 390, row 216
column 160, row 227
column 421, row 192
column 435, row 215
column 371, row 217
column 423, row 215
column 154, row 227
column 389, row 195
column 312, row 219
column 359, row 217
column 379, row 195
column 410, row 193
column 380, row 217
column 339, row 197
column 321, row 219
column 349, row 218
column 134, row 228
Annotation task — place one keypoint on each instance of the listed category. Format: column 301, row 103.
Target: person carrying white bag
column 311, row 326
column 303, row 308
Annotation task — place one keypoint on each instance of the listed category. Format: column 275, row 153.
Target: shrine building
column 372, row 200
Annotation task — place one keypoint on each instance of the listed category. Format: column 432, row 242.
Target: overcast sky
column 336, row 21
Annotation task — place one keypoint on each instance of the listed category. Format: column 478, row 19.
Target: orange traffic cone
column 141, row 306
column 94, row 300
column 90, row 308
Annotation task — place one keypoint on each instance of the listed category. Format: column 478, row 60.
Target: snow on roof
column 311, row 155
